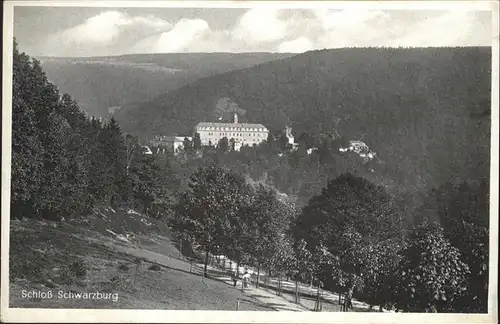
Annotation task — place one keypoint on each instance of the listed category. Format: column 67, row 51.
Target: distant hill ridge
column 424, row 110
column 98, row 83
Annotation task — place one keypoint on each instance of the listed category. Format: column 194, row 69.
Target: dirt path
column 263, row 296
column 329, row 300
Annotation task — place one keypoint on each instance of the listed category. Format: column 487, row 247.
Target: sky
column 70, row 31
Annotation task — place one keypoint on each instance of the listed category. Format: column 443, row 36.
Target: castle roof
column 170, row 138
column 238, row 125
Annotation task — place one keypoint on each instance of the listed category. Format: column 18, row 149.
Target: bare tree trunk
column 180, row 248
column 281, row 284
column 205, row 271
column 296, row 291
column 130, row 150
column 317, row 298
column 278, row 285
column 348, row 299
column 258, row 276
column 351, row 293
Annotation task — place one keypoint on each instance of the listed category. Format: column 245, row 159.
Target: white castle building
column 241, row 133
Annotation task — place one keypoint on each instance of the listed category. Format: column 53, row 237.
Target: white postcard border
column 161, row 316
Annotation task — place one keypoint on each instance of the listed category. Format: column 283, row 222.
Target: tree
column 462, row 209
column 346, row 201
column 431, row 275
column 272, row 145
column 52, row 198
column 187, row 145
column 349, row 263
column 474, row 249
column 310, row 265
column 325, row 151
column 49, row 157
column 306, row 140
column 27, row 149
column 206, row 209
column 344, row 225
column 197, row 142
column 223, row 145
column 322, row 262
column 282, row 141
column 381, row 262
column 168, row 184
column 270, row 219
column 145, row 178
column 237, row 244
column 283, row 259
column 114, row 160
column 232, row 144
column 131, row 144
column 63, row 163
column 302, row 263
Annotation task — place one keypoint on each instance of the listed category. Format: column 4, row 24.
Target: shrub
column 155, row 267
column 78, row 269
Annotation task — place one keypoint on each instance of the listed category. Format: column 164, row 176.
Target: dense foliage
column 221, row 212
column 64, row 163
column 431, row 275
column 321, row 217
column 298, row 174
column 425, row 111
column 462, row 209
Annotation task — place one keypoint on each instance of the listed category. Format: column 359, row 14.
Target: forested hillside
column 346, row 232
column 65, row 163
column 101, row 83
column 424, row 111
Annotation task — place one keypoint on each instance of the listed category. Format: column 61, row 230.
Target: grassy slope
column 42, row 255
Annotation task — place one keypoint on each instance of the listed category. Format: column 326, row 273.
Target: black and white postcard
column 239, row 161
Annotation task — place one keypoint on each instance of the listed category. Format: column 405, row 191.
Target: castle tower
column 289, row 135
